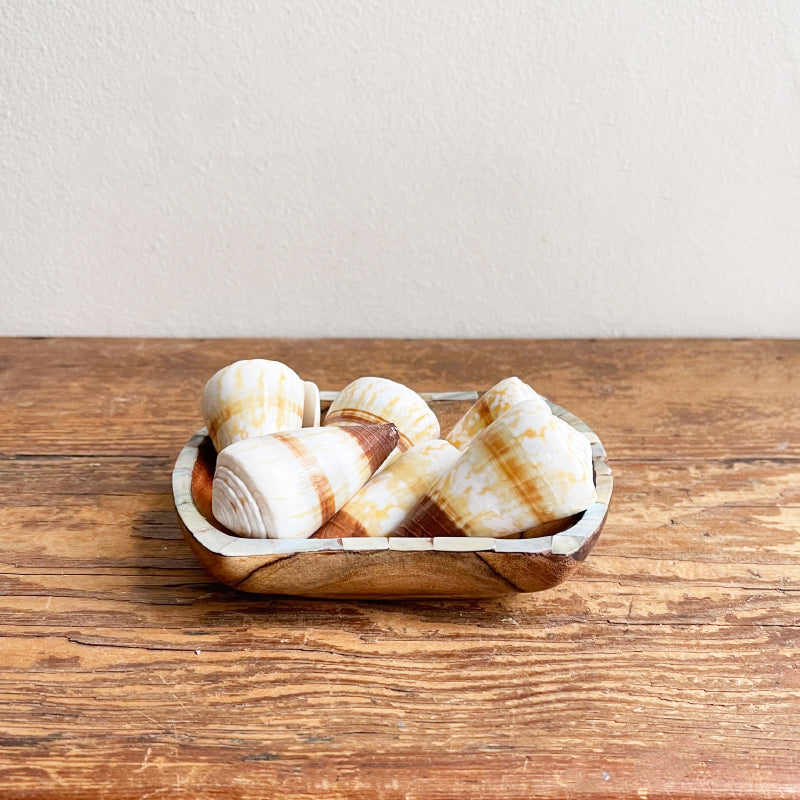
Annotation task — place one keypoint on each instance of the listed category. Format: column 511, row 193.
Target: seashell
column 383, row 502
column 525, row 469
column 489, row 406
column 252, row 398
column 287, row 485
column 375, row 400
column 311, row 407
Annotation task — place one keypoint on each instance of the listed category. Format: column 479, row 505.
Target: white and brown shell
column 489, row 406
column 384, row 501
column 527, row 468
column 287, row 485
column 376, row 400
column 250, row 398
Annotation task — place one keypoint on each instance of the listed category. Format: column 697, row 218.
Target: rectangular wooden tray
column 381, row 567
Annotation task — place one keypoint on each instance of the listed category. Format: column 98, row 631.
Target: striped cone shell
column 287, row 485
column 489, row 406
column 376, row 400
column 525, row 469
column 252, row 398
column 383, row 502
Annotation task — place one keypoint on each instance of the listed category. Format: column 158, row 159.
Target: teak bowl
column 381, row 567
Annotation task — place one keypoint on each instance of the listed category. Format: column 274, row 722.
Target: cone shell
column 527, row 468
column 382, row 504
column 287, row 485
column 252, row 398
column 489, row 406
column 375, row 400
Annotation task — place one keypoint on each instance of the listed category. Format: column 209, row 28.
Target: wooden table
column 668, row 667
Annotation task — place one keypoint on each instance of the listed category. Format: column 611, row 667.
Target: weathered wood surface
column 666, row 667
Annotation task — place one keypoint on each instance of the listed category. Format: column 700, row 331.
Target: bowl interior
column 194, row 471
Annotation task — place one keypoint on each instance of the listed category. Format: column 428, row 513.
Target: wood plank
column 48, row 477
column 120, row 515
column 651, row 399
column 607, row 596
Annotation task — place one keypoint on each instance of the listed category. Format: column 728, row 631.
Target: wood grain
column 667, row 666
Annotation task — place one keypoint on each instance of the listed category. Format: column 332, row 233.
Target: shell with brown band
column 376, row 400
column 489, row 406
column 253, row 397
column 383, row 502
column 527, row 468
column 287, row 485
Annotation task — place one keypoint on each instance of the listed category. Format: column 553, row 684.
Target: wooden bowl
column 381, row 567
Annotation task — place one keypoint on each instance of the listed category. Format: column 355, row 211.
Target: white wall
column 407, row 168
